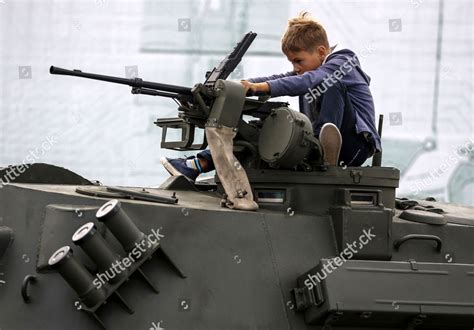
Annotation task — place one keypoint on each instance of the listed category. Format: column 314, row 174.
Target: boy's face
column 304, row 61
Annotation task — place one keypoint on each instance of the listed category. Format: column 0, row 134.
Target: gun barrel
column 124, row 81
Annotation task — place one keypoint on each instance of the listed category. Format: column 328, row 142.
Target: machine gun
column 194, row 104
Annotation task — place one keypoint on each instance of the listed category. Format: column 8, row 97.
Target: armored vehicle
column 276, row 240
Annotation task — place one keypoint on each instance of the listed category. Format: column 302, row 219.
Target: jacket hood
column 349, row 55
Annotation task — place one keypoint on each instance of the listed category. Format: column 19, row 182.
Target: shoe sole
column 331, row 141
column 170, row 168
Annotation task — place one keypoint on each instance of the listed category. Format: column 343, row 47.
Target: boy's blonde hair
column 303, row 33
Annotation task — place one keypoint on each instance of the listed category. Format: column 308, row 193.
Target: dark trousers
column 334, row 106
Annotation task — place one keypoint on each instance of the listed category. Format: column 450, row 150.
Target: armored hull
column 411, row 262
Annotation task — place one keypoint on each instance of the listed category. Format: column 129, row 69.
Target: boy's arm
column 260, row 83
column 298, row 85
column 273, row 77
column 291, row 84
column 302, row 84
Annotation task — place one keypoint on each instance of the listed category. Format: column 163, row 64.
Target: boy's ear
column 322, row 50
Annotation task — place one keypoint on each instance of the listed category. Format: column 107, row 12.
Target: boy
column 333, row 92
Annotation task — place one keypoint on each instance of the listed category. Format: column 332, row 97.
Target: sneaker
column 331, row 141
column 177, row 166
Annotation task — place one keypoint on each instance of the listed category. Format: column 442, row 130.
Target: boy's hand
column 255, row 88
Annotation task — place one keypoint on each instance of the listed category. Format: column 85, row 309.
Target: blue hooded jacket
column 350, row 75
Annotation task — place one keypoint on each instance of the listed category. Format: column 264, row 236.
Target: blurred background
column 419, row 54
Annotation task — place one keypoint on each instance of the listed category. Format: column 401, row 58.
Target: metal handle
column 405, row 238
column 24, row 287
